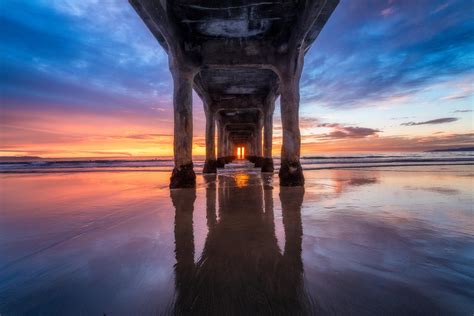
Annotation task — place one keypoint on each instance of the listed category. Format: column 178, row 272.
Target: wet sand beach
column 387, row 240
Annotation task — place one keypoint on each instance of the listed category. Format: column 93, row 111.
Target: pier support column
column 251, row 150
column 268, row 137
column 291, row 173
column 210, row 165
column 227, row 147
column 220, row 145
column 248, row 152
column 183, row 175
column 258, row 141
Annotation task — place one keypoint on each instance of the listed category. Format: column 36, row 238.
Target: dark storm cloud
column 432, row 122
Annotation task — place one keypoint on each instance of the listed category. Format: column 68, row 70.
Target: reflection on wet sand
column 363, row 242
column 242, row 270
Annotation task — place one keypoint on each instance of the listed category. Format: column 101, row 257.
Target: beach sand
column 374, row 241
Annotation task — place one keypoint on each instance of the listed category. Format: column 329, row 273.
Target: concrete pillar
column 252, row 154
column 258, row 140
column 254, row 143
column 220, row 144
column 291, row 173
column 226, row 144
column 267, row 165
column 228, row 154
column 183, row 175
column 258, row 144
column 210, row 165
column 249, row 148
column 219, row 139
column 231, row 150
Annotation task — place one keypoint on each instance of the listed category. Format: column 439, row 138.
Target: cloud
column 463, row 111
column 144, row 136
column 312, row 144
column 455, row 97
column 385, row 52
column 432, row 122
column 64, row 54
column 340, row 131
column 308, row 122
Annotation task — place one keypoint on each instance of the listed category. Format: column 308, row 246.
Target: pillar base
column 267, row 165
column 220, row 163
column 183, row 177
column 210, row 166
column 291, row 174
column 258, row 162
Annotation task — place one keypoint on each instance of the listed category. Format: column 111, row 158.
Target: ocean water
column 165, row 164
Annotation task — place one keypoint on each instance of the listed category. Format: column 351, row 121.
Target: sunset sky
column 87, row 79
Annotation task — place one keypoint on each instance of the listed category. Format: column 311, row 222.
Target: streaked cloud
column 432, row 122
column 387, row 144
column 340, row 131
column 373, row 50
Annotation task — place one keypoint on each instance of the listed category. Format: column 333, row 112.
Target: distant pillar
column 258, row 143
column 258, row 139
column 220, row 144
column 252, row 146
column 232, row 150
column 183, row 175
column 210, row 165
column 249, row 153
column 291, row 173
column 219, row 139
column 267, row 165
column 225, row 144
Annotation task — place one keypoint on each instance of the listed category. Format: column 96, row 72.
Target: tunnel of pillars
column 239, row 57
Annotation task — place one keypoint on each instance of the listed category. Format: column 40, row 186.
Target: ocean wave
column 308, row 163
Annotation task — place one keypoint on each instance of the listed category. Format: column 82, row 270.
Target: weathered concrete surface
column 239, row 56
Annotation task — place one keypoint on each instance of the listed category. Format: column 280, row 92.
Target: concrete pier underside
column 239, row 56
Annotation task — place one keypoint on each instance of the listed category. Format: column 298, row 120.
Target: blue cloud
column 51, row 57
column 99, row 55
column 371, row 50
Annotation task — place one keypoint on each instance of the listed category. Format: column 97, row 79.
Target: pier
column 239, row 56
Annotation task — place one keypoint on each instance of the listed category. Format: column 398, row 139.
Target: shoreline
column 99, row 169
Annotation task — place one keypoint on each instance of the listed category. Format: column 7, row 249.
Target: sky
column 87, row 79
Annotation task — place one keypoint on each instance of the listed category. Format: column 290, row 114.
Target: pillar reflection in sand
column 241, row 270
